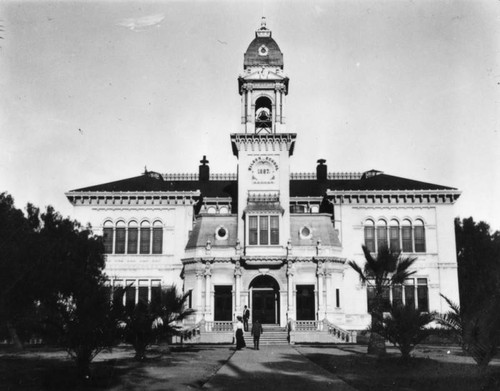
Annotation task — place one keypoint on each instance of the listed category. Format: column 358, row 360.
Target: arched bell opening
column 265, row 300
column 263, row 115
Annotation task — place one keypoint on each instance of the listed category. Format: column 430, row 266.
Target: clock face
column 263, row 170
column 263, row 50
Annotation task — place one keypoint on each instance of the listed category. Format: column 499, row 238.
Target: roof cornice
column 445, row 196
column 147, row 198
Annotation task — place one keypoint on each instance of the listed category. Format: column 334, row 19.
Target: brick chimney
column 321, row 170
column 204, row 173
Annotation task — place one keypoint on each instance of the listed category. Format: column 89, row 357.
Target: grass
column 51, row 369
column 430, row 369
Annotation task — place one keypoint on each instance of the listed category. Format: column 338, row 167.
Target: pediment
column 263, row 74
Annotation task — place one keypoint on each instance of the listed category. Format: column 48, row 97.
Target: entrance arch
column 265, row 304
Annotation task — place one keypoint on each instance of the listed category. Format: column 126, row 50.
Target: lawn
column 430, row 368
column 184, row 368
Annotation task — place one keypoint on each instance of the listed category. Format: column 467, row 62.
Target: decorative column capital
column 208, row 270
column 237, row 269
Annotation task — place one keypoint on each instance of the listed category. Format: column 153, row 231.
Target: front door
column 223, row 303
column 264, row 306
column 305, row 302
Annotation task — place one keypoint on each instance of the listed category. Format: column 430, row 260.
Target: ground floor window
column 137, row 290
column 305, row 302
column 413, row 292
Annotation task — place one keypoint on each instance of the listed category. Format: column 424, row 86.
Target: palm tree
column 381, row 273
column 406, row 327
column 158, row 320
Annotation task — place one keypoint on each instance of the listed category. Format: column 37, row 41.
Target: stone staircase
column 273, row 335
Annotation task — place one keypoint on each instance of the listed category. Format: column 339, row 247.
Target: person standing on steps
column 256, row 332
column 240, row 341
column 246, row 316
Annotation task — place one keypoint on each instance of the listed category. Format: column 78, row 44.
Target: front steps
column 272, row 335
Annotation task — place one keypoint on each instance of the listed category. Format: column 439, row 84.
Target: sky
column 93, row 92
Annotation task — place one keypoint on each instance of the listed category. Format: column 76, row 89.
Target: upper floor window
column 419, row 235
column 407, row 237
column 132, row 238
column 120, row 235
column 108, row 237
column 263, row 230
column 157, row 237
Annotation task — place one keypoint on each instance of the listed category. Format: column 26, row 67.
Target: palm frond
column 359, row 270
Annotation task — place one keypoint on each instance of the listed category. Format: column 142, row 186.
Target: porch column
column 289, row 273
column 237, row 285
column 208, row 275
column 199, row 278
column 321, row 275
column 330, row 300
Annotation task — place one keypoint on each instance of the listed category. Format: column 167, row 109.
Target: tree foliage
column 381, row 272
column 52, row 268
column 405, row 326
column 155, row 321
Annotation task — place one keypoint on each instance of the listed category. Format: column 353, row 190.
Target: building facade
column 275, row 241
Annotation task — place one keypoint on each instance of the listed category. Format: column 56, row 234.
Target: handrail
column 343, row 335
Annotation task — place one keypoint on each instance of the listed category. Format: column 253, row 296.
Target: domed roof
column 263, row 50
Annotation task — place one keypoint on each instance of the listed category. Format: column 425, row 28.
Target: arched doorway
column 265, row 304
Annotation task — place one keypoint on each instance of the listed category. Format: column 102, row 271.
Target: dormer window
column 263, row 230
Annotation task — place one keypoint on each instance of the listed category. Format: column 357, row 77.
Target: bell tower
column 263, row 148
column 263, row 85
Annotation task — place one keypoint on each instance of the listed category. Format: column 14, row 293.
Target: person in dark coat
column 240, row 341
column 256, row 332
column 246, row 316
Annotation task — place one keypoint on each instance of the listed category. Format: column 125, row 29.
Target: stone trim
column 393, row 196
column 330, row 175
column 132, row 198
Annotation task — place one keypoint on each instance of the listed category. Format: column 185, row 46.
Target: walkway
column 273, row 368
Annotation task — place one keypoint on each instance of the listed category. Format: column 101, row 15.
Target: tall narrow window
column 275, row 230
column 410, row 292
column 394, row 236
column 145, row 242
column 157, row 237
column 264, row 229
column 381, row 234
column 143, row 291
column 370, row 236
column 397, row 295
column 252, row 230
column 107, row 236
column 120, row 238
column 419, row 232
column 130, row 294
column 370, row 292
column 133, row 236
column 407, row 237
column 422, row 295
column 156, row 291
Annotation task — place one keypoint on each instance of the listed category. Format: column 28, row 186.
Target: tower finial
column 263, row 23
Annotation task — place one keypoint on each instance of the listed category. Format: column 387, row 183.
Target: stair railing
column 343, row 335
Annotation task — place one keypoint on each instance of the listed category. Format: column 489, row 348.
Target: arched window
column 406, row 232
column 211, row 210
column 381, row 234
column 107, row 236
column 263, row 114
column 394, row 236
column 370, row 235
column 419, row 236
column 145, row 240
column 132, row 237
column 120, row 234
column 223, row 210
column 157, row 237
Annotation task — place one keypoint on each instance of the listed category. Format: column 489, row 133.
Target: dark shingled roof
column 156, row 183
column 204, row 229
column 321, row 228
column 304, row 187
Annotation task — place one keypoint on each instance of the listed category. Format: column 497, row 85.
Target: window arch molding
column 263, row 95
